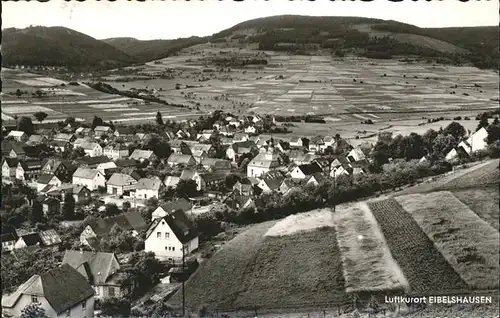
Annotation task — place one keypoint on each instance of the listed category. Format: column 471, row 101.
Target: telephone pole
column 183, row 283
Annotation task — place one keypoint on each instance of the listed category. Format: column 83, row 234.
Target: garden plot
column 6, row 117
column 62, row 92
column 302, row 222
column 16, row 101
column 467, row 242
column 28, row 110
column 120, row 110
column 425, row 269
column 108, row 106
column 367, row 261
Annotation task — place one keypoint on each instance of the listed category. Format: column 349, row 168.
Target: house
column 296, row 142
column 316, row 143
column 62, row 169
column 205, row 135
column 142, row 136
column 96, row 229
column 323, row 163
column 207, row 148
column 91, row 178
column 102, row 130
column 61, row 292
column 195, row 176
column 240, row 137
column 121, row 184
column 17, row 135
column 51, row 206
column 92, row 149
column 236, row 150
column 147, row 188
column 16, row 150
column 251, row 130
column 101, row 270
column 199, row 155
column 262, row 163
column 315, row 179
column 29, row 240
column 8, row 241
column 84, row 132
column 343, row 170
column 9, row 168
column 303, row 171
column 182, row 134
column 239, row 202
column 286, row 186
column 338, row 162
column 28, row 170
column 300, row 158
column 79, row 192
column 105, row 166
column 142, row 155
column 44, row 179
column 115, row 152
column 124, row 132
column 50, row 239
column 171, row 237
column 126, row 163
column 179, row 147
column 328, row 143
column 243, row 187
column 170, row 207
column 61, row 146
column 270, row 183
column 37, row 139
column 213, row 180
column 283, row 146
column 171, row 181
column 91, row 162
column 475, row 142
column 32, row 151
column 180, row 159
column 64, row 137
column 356, row 154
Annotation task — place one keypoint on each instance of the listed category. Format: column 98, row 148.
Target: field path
column 426, row 270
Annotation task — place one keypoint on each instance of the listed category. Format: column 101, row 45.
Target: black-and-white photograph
column 259, row 159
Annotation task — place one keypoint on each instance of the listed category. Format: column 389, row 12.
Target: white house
column 171, row 237
column 355, row 154
column 476, row 142
column 102, row 167
column 195, row 176
column 44, row 179
column 180, row 159
column 18, row 135
column 61, row 292
column 92, row 149
column 261, row 164
column 296, row 142
column 91, row 178
column 116, row 152
column 147, row 188
column 120, row 184
column 302, row 171
column 250, row 130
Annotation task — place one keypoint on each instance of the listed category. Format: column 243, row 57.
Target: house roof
column 36, row 138
column 92, row 160
column 8, row 237
column 88, row 145
column 85, row 173
column 50, row 237
column 200, row 147
column 31, row 239
column 317, row 176
column 124, row 130
column 179, row 224
column 141, row 154
column 127, row 221
column 102, row 128
column 63, row 136
column 188, row 174
column 273, row 183
column 11, row 162
column 149, row 184
column 179, row 158
column 125, row 163
column 116, row 147
column 176, row 143
column 16, row 133
column 121, row 179
column 98, row 264
column 63, row 287
column 181, row 204
column 31, row 164
column 171, row 181
column 45, row 178
column 309, row 169
column 213, row 176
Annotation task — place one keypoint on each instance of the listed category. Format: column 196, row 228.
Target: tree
column 493, row 134
column 19, row 93
column 483, row 122
column 231, row 180
column 144, row 272
column 380, row 153
column 25, row 124
column 428, row 139
column 40, row 116
column 496, row 121
column 159, row 119
column 114, row 307
column 70, row 121
column 186, row 189
column 78, row 152
column 97, row 121
column 442, row 145
column 414, row 147
column 68, row 209
column 33, row 310
column 36, row 212
column 456, row 130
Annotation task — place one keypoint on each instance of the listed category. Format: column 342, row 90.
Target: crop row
column 426, row 270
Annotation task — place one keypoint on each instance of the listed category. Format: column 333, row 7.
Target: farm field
column 367, row 261
column 484, row 201
column 468, row 243
column 79, row 101
column 426, row 270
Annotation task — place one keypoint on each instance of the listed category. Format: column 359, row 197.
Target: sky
column 172, row 19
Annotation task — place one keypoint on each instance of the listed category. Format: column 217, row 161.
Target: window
column 167, row 235
column 84, row 305
column 111, row 291
column 34, row 299
column 96, row 289
column 68, row 313
column 166, row 248
column 158, row 234
column 173, row 248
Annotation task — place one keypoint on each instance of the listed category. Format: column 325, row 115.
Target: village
column 95, row 194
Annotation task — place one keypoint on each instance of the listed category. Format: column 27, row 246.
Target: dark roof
column 124, row 130
column 31, row 164
column 322, row 162
column 213, row 176
column 92, row 160
column 45, row 178
column 64, row 287
column 97, row 265
column 31, row 239
column 179, row 224
column 11, row 162
column 273, row 182
column 7, row 237
column 127, row 221
column 309, row 169
column 125, row 163
column 181, row 204
column 34, row 150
